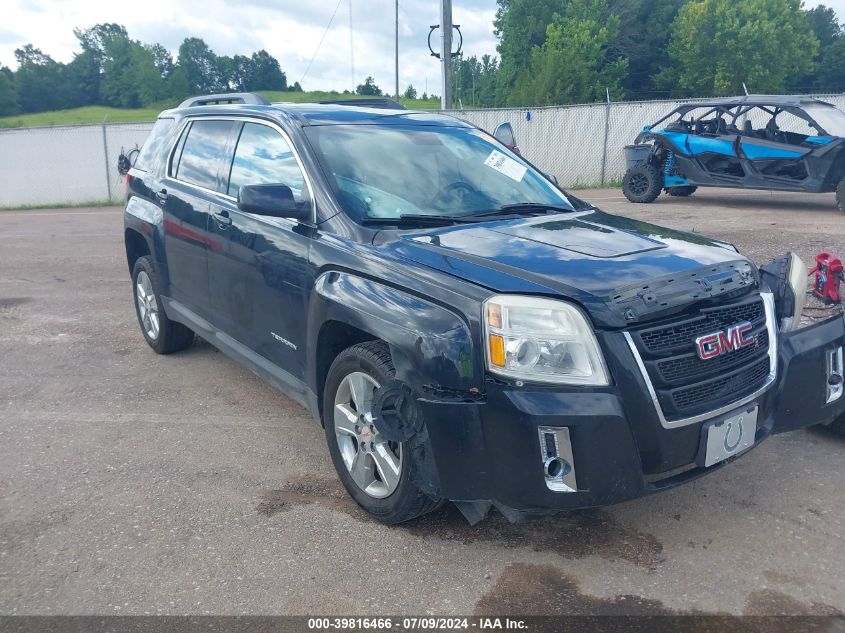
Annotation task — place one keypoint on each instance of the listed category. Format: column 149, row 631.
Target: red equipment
column 829, row 275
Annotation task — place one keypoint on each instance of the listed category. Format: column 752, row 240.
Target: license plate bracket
column 728, row 436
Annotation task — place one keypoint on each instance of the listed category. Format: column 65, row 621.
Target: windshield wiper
column 508, row 211
column 524, row 208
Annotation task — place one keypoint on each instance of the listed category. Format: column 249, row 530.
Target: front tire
column 642, row 183
column 840, row 195
column 682, row 192
column 162, row 334
column 375, row 472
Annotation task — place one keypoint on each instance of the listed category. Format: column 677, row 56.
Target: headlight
column 787, row 278
column 797, row 279
column 541, row 340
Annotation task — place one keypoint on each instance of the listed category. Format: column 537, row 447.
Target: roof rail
column 250, row 98
column 387, row 104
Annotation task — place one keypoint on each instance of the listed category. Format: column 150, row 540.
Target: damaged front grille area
column 685, row 386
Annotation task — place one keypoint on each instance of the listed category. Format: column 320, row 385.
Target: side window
column 201, row 152
column 263, row 156
column 154, row 144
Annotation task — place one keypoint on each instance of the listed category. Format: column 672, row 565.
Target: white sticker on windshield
column 506, row 165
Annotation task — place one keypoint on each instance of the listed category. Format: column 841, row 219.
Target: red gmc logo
column 718, row 343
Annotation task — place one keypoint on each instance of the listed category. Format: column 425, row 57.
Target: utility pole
column 397, row 49
column 446, row 53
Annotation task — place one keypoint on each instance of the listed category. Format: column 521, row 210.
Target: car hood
column 621, row 270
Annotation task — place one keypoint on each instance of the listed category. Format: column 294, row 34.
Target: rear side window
column 263, row 156
column 201, row 153
column 154, row 144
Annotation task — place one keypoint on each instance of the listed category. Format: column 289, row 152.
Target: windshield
column 828, row 117
column 387, row 171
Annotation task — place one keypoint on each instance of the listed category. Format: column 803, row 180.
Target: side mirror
column 552, row 178
column 274, row 200
column 504, row 134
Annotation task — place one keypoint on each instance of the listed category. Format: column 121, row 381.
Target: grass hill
column 101, row 114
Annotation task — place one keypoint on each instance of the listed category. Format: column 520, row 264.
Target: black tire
column 840, row 196
column 642, row 183
column 406, row 501
column 681, row 192
column 171, row 336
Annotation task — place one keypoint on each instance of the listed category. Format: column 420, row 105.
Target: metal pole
column 446, row 53
column 351, row 51
column 397, row 49
column 106, row 155
column 606, row 135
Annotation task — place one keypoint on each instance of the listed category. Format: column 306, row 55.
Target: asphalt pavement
column 132, row 483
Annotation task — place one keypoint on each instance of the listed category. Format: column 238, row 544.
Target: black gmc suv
column 461, row 327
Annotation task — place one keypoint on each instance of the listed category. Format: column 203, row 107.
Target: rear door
column 260, row 276
column 193, row 181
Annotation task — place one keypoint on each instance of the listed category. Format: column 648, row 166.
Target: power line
column 316, row 50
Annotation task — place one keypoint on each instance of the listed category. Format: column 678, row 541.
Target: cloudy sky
column 289, row 29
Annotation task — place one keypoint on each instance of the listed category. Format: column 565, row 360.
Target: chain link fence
column 581, row 145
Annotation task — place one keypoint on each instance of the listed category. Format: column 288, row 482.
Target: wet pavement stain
column 531, row 589
column 328, row 493
column 771, row 602
column 573, row 534
column 11, row 302
column 527, row 589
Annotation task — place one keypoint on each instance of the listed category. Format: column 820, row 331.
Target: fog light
column 835, row 377
column 557, row 461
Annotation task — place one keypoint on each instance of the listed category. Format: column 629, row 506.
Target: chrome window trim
column 769, row 306
column 226, row 196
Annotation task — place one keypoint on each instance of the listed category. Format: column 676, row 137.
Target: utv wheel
column 162, row 334
column 682, row 192
column 642, row 183
column 374, row 471
column 840, row 196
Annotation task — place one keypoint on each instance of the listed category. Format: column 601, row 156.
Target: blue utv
column 781, row 143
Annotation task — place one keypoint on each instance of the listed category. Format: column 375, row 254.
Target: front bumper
column 490, row 450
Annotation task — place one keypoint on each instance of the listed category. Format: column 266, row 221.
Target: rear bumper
column 491, row 450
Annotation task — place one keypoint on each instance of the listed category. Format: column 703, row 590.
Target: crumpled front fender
column 809, row 386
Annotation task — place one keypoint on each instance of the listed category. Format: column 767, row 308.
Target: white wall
column 64, row 165
column 73, row 165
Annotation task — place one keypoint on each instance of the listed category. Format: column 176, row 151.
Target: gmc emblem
column 729, row 340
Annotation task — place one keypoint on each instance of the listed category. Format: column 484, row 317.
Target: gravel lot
column 132, row 483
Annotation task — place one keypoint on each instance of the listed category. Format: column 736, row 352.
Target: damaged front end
column 809, row 389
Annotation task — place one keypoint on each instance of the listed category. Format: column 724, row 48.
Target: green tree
column 368, row 88
column 645, row 31
column 475, row 80
column 719, row 44
column 574, row 64
column 520, row 25
column 410, row 92
column 40, row 81
column 831, row 77
column 199, row 65
column 8, row 93
column 265, row 73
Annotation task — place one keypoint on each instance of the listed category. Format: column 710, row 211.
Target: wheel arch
column 431, row 346
column 137, row 246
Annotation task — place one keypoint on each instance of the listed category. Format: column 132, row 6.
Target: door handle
column 222, row 218
column 161, row 196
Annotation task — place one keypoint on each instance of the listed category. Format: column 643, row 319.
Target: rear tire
column 359, row 453
column 162, row 334
column 642, row 183
column 682, row 192
column 840, row 196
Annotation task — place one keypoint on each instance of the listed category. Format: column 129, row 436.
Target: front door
column 260, row 279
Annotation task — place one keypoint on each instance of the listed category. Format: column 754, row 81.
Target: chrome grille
column 686, row 385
